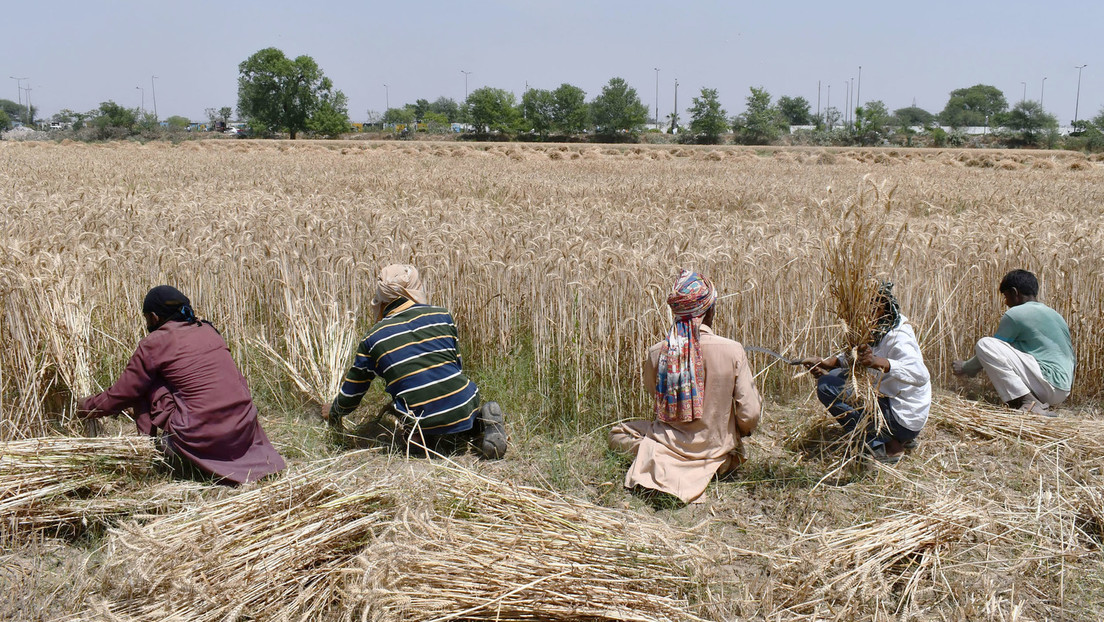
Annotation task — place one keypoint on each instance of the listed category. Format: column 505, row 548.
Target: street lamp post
column 1042, row 90
column 19, row 88
column 656, row 115
column 386, row 97
column 858, row 90
column 153, row 86
column 1077, row 102
column 828, row 105
column 466, row 74
column 30, row 121
column 143, row 97
column 818, row 99
column 1024, row 98
column 674, row 111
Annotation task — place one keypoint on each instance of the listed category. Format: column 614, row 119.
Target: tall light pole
column 1042, row 90
column 1077, row 101
column 30, row 120
column 1024, row 98
column 19, row 88
column 674, row 111
column 818, row 100
column 828, row 105
column 858, row 90
column 850, row 99
column 656, row 115
column 466, row 74
column 143, row 97
column 386, row 97
column 153, row 86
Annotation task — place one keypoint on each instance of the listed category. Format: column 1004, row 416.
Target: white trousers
column 1014, row 373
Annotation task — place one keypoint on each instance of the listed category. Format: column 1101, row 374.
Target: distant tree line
column 278, row 95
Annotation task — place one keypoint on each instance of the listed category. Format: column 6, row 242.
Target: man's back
column 1038, row 330
column 415, row 350
column 729, row 384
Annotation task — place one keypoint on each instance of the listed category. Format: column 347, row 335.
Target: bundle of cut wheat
column 863, row 250
column 871, row 559
column 1084, row 436
column 277, row 551
column 62, row 485
column 334, row 543
column 491, row 551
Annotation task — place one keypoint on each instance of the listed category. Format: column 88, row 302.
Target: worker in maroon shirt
column 183, row 386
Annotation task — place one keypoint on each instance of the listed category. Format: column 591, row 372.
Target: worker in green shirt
column 1030, row 358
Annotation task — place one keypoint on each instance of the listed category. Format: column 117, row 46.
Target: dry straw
column 62, row 485
column 884, row 559
column 1085, row 437
column 333, row 542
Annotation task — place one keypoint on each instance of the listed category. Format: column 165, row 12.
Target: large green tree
column 5, row 121
column 762, row 123
column 276, row 93
column 447, row 107
column 796, row 110
column 912, row 116
column 707, row 119
column 618, row 109
column 492, row 110
column 18, row 112
column 177, row 122
column 1029, row 123
column 397, row 116
column 331, row 119
column 570, row 112
column 871, row 123
column 538, row 108
column 973, row 106
column 112, row 121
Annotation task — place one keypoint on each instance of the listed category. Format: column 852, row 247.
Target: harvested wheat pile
column 335, row 543
column 1084, row 436
column 834, row 570
column 62, row 486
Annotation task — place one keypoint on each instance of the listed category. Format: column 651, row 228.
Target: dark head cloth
column 169, row 304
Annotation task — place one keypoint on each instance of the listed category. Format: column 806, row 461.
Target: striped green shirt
column 414, row 349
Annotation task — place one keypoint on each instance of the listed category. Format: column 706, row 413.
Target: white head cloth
column 397, row 281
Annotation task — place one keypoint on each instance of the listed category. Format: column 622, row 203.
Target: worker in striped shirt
column 413, row 347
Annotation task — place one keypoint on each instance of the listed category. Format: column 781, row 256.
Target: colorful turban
column 680, row 378
column 397, row 281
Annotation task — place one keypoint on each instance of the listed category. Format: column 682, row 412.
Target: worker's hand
column 958, row 367
column 325, row 412
column 83, row 411
column 864, row 355
column 815, row 365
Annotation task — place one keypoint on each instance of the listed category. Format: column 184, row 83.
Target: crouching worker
column 1030, row 358
column 705, row 401
column 413, row 347
column 183, row 385
column 894, row 360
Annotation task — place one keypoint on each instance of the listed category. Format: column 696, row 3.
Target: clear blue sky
column 78, row 54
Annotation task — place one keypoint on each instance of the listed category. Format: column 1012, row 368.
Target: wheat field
column 555, row 260
column 562, row 251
